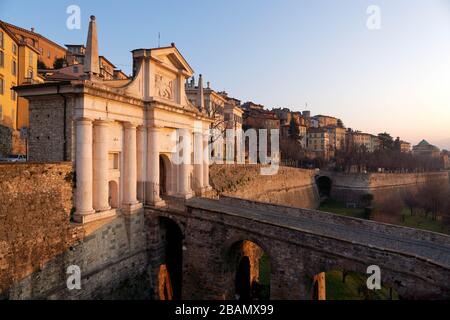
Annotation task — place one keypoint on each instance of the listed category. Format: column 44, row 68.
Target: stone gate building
column 121, row 135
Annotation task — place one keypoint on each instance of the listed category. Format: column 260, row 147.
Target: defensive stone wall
column 38, row 242
column 350, row 187
column 290, row 186
column 35, row 204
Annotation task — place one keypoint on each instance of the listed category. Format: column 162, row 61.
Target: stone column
column 198, row 162
column 152, row 188
column 206, row 156
column 184, row 168
column 141, row 164
column 83, row 163
column 100, row 164
column 130, row 167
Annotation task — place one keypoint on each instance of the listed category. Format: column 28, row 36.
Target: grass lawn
column 351, row 289
column 337, row 207
column 420, row 221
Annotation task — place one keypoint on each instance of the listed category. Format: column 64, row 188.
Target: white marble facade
column 125, row 134
column 126, row 137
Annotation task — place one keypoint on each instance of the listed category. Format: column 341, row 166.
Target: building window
column 1, row 113
column 30, row 59
column 14, row 48
column 2, row 86
column 75, row 69
column 1, row 40
column 49, row 55
column 14, row 67
column 2, row 59
column 30, row 73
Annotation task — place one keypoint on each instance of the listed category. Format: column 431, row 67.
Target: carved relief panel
column 164, row 87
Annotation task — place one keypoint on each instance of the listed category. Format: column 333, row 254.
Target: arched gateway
column 120, row 127
column 324, row 185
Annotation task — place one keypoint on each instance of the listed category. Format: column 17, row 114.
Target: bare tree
column 433, row 196
column 410, row 198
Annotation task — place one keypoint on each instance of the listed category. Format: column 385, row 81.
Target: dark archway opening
column 252, row 271
column 316, row 290
column 242, row 282
column 324, row 185
column 113, row 194
column 172, row 238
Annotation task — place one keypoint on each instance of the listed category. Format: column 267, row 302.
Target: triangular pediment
column 170, row 56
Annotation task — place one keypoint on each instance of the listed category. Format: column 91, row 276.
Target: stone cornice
column 79, row 87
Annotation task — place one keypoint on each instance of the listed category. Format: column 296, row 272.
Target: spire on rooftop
column 200, row 97
column 91, row 63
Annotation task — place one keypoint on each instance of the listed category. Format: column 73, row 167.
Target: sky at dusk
column 287, row 53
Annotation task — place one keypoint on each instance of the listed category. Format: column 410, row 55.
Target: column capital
column 102, row 122
column 154, row 128
column 84, row 120
column 141, row 127
column 129, row 125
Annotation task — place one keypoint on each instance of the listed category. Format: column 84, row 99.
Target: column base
column 158, row 204
column 202, row 191
column 93, row 216
column 102, row 209
column 131, row 207
column 185, row 196
column 199, row 192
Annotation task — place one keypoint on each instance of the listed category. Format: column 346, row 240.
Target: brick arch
column 180, row 221
column 340, row 265
column 230, row 242
column 402, row 282
column 239, row 251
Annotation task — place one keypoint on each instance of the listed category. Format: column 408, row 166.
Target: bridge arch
column 250, row 270
column 171, row 268
column 324, row 185
column 346, row 279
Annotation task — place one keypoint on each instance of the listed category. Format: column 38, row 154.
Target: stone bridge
column 300, row 244
column 208, row 246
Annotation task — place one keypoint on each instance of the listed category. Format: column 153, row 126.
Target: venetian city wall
column 290, row 186
column 350, row 187
column 38, row 242
column 119, row 257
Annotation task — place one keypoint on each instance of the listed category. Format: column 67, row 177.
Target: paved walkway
column 429, row 250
